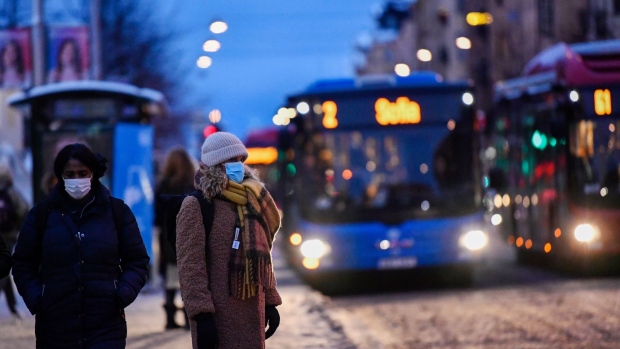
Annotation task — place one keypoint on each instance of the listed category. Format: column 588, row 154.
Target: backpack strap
column 41, row 214
column 208, row 211
column 118, row 207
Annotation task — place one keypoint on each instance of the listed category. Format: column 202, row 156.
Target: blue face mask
column 234, row 171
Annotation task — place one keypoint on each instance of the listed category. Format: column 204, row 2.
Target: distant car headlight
column 586, row 233
column 314, row 248
column 474, row 240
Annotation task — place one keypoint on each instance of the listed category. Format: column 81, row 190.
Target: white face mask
column 77, row 188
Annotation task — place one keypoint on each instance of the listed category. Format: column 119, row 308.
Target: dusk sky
column 271, row 49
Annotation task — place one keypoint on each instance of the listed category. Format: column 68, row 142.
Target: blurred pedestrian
column 5, row 259
column 13, row 210
column 230, row 291
column 80, row 259
column 177, row 177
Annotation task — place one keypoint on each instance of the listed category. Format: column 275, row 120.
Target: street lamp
column 211, row 46
column 218, row 27
column 204, row 62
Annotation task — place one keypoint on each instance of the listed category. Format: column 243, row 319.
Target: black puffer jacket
column 86, row 276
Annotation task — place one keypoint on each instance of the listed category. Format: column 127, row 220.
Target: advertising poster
column 15, row 58
column 132, row 178
column 68, row 57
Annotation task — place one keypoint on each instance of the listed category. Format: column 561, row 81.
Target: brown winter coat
column 240, row 323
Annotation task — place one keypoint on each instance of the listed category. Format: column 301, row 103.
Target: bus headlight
column 314, row 248
column 474, row 240
column 586, row 233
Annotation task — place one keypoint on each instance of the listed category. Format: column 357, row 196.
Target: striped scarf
column 259, row 221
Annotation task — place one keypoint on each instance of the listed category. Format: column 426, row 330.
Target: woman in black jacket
column 79, row 273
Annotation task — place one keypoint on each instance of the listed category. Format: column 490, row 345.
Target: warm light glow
column 303, row 108
column 218, row 27
column 330, row 109
column 468, row 98
column 506, row 200
column 602, row 102
column 284, row 115
column 612, row 128
column 424, row 55
column 557, row 232
column 310, row 263
column 204, row 62
column 401, row 69
column 528, row 244
column 451, row 125
column 497, row 200
column 496, row 219
column 519, row 242
column 474, row 240
column 215, row 116
column 547, row 247
column 463, row 43
column 479, row 18
column 403, row 111
column 574, row 96
column 295, row 239
column 313, row 248
column 585, row 233
column 347, row 174
column 384, row 244
column 264, row 156
column 211, row 46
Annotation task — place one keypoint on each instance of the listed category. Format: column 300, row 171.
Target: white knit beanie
column 220, row 147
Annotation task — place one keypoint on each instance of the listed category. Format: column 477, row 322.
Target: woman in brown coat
column 229, row 292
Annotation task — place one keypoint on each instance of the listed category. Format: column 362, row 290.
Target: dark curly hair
column 80, row 152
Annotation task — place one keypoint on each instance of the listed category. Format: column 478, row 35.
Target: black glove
column 206, row 333
column 272, row 319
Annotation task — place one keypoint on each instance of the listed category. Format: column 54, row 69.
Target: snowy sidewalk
column 304, row 323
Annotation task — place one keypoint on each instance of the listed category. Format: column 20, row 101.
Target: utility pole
column 38, row 43
column 95, row 29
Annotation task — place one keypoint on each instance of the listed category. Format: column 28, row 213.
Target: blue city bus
column 382, row 173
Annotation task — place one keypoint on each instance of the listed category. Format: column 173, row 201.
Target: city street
column 509, row 306
column 304, row 321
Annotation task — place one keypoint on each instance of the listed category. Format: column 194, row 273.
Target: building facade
column 497, row 37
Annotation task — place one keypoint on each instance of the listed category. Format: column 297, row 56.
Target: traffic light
column 209, row 130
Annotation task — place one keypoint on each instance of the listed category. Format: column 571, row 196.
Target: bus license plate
column 397, row 263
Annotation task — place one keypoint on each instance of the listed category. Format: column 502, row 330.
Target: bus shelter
column 113, row 119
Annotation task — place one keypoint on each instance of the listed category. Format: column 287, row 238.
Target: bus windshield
column 595, row 162
column 395, row 174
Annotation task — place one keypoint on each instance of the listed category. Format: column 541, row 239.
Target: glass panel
column 595, row 162
column 407, row 171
